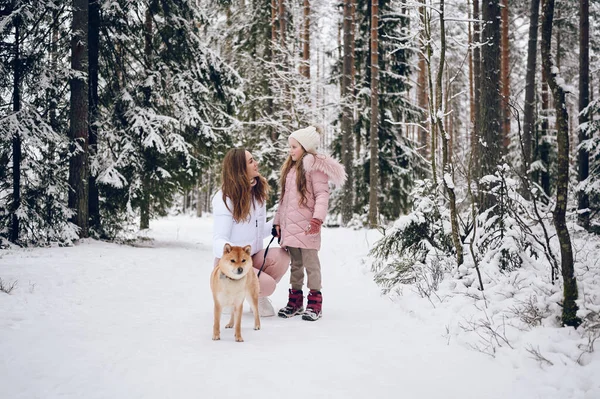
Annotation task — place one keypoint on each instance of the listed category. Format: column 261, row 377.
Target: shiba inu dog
column 231, row 281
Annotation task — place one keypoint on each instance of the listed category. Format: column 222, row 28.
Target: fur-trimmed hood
column 324, row 163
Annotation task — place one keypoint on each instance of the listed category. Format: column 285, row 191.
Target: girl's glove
column 314, row 226
column 276, row 232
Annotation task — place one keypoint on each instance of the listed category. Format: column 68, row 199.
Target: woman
column 240, row 218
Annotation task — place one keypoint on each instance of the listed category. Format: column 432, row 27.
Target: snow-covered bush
column 404, row 255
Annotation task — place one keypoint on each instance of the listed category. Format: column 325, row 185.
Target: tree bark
column 79, row 117
column 305, row 67
column 471, row 83
column 505, row 71
column 426, row 38
column 146, row 186
column 529, row 108
column 422, row 99
column 490, row 114
column 16, row 139
column 347, row 119
column 543, row 140
column 583, row 159
column 374, row 134
column 447, row 166
column 569, row 315
column 476, row 84
column 94, row 43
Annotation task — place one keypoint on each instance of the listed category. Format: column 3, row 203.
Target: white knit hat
column 308, row 137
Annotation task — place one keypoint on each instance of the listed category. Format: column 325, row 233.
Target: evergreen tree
column 39, row 171
column 398, row 162
column 164, row 110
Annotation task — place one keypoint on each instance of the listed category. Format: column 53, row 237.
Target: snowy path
column 105, row 321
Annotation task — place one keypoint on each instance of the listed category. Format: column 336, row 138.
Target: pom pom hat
column 308, row 138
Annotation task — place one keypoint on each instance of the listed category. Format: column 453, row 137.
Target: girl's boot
column 294, row 306
column 313, row 309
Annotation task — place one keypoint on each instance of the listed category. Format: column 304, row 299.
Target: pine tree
column 38, row 124
column 398, row 162
column 167, row 97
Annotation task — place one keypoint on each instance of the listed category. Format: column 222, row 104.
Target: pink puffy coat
column 294, row 219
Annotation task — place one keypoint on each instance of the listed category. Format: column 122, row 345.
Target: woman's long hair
column 300, row 177
column 236, row 187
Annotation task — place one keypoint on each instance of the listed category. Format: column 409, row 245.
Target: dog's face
column 236, row 262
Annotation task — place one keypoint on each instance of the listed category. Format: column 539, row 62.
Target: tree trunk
column 505, row 71
column 447, row 166
column 347, row 119
column 569, row 316
column 543, row 139
column 476, row 84
column 79, row 163
column 270, row 55
column 282, row 24
column 305, row 66
column 426, row 38
column 471, row 83
column 583, row 159
column 529, row 108
column 422, row 99
column 489, row 106
column 94, row 42
column 16, row 140
column 146, row 186
column 374, row 134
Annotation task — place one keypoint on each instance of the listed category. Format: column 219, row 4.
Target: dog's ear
column 248, row 249
column 227, row 249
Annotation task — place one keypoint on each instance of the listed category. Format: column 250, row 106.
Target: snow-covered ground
column 101, row 320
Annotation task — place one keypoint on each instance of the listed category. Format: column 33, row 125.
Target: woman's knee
column 267, row 284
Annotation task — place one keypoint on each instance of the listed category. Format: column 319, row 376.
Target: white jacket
column 250, row 232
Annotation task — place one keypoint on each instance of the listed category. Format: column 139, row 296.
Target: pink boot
column 313, row 309
column 294, row 305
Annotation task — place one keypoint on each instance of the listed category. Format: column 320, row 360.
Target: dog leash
column 265, row 258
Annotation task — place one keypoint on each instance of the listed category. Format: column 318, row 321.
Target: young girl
column 302, row 208
column 240, row 218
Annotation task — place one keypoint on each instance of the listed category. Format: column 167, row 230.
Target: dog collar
column 223, row 275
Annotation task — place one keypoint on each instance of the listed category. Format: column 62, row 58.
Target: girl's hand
column 314, row 227
column 275, row 231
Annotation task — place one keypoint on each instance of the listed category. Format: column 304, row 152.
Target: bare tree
column 374, row 135
column 569, row 315
column 447, row 166
column 79, row 161
column 505, row 72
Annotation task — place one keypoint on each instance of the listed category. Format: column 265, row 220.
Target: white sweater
column 250, row 232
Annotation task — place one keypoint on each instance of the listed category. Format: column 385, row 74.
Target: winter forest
column 469, row 130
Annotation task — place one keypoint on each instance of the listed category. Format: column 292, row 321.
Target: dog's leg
column 254, row 303
column 237, row 312
column 230, row 324
column 217, row 322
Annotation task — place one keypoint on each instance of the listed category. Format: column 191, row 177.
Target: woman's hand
column 314, row 227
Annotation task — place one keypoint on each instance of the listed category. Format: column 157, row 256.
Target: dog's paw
column 239, row 339
column 230, row 325
column 216, row 337
column 257, row 327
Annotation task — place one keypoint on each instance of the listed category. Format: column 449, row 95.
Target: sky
column 102, row 320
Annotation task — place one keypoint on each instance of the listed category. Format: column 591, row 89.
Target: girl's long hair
column 236, row 187
column 300, row 177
